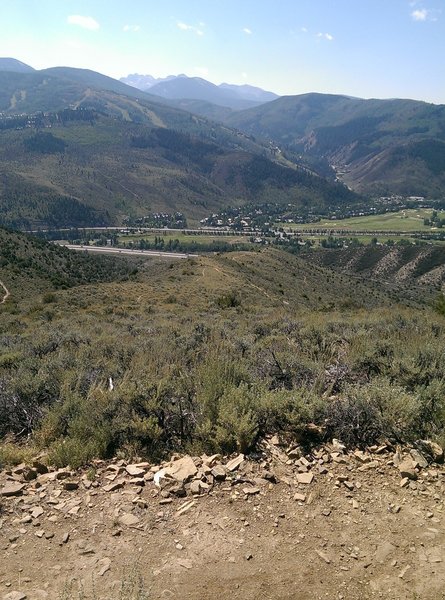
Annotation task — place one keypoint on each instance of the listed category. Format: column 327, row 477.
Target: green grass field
column 183, row 238
column 407, row 220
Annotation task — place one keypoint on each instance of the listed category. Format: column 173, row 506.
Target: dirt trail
column 346, row 528
column 6, row 294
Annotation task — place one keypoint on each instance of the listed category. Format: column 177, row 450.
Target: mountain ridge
column 374, row 146
column 102, row 156
column 260, row 155
column 182, row 87
column 14, row 65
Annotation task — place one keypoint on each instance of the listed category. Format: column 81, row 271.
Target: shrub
column 237, row 424
column 439, row 304
column 49, row 298
column 228, row 300
column 367, row 414
column 288, row 411
column 13, row 454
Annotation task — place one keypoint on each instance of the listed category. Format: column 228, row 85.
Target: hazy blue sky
column 367, row 48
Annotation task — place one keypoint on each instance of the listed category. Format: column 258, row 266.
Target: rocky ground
column 329, row 524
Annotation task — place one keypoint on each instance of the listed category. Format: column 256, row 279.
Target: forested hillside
column 376, row 146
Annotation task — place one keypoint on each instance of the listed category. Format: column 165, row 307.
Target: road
column 159, row 230
column 126, row 251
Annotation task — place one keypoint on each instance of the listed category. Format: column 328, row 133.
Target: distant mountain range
column 129, row 152
column 181, row 87
column 145, row 82
column 103, row 151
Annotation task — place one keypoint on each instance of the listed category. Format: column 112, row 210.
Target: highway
column 126, row 251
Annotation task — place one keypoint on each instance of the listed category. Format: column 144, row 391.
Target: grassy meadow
column 182, row 237
column 410, row 220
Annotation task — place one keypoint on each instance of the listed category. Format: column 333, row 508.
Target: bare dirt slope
column 330, row 525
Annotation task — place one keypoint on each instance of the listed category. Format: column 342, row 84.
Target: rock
column 12, row 489
column 15, row 596
column 140, row 502
column 269, row 476
column 18, row 469
column 397, row 458
column 39, row 467
column 105, row 566
column 135, row 470
column 299, row 497
column 383, row 551
column 46, row 477
column 305, row 478
column 404, row 482
column 435, row 555
column 70, row 486
column 65, row 538
column 63, row 474
column 195, row 487
column 349, row 485
column 251, row 491
column 37, row 512
column 29, row 474
column 210, row 461
column 371, row 465
column 338, row 446
column 294, row 453
column 26, row 519
column 419, row 458
column 361, row 456
column 235, row 463
column 128, row 519
column 185, row 507
column 173, row 488
column 407, row 469
column 219, row 472
column 185, row 562
column 139, row 481
column 182, row 470
column 432, row 449
column 404, row 571
column 324, row 556
column 113, row 487
column 338, row 458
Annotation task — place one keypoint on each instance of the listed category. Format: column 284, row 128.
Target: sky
column 363, row 48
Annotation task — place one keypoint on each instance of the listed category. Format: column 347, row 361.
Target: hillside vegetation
column 89, row 169
column 378, row 146
column 410, row 271
column 29, row 265
column 211, row 354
